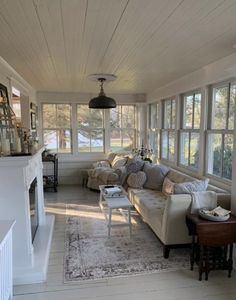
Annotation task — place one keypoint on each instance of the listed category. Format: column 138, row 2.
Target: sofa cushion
column 155, row 176
column 118, row 161
column 136, row 180
column 190, row 187
column 102, row 163
column 111, row 156
column 168, row 187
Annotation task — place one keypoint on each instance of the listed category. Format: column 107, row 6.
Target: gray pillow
column 134, row 166
column 155, row 176
column 190, row 187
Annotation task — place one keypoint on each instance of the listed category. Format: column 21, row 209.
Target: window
column 153, row 112
column 90, row 129
column 168, row 130
column 57, row 127
column 220, row 130
column 190, row 130
column 122, row 127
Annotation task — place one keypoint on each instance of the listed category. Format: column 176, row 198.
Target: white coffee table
column 112, row 203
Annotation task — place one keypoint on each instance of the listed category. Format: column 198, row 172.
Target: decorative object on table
column 9, row 140
column 217, row 214
column 112, row 191
column 144, row 153
column 90, row 255
column 102, row 101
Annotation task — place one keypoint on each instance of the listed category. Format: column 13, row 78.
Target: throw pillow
column 134, row 165
column 102, row 163
column 168, row 187
column 118, row 161
column 190, row 187
column 111, row 157
column 155, row 176
column 136, row 180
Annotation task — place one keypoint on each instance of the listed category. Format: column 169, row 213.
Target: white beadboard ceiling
column 56, row 44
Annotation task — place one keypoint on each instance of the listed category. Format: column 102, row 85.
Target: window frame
column 56, row 128
column 222, row 132
column 189, row 130
column 154, row 130
column 170, row 130
column 90, row 129
column 123, row 129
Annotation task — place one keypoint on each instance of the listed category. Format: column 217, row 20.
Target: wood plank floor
column 182, row 284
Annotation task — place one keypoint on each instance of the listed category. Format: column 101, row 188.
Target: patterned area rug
column 89, row 254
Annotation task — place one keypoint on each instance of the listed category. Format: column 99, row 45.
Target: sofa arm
column 174, row 229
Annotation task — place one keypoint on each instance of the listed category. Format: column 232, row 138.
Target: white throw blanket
column 207, row 199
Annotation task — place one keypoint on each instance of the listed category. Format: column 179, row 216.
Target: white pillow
column 118, row 161
column 190, row 187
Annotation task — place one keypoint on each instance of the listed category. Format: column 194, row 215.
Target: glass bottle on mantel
column 9, row 139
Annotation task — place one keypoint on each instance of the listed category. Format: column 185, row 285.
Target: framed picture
column 3, row 92
column 33, row 120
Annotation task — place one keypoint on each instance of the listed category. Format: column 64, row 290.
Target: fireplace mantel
column 16, row 174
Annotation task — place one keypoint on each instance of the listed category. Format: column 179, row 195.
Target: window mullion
column 228, row 104
column 193, row 115
column 222, row 153
column 189, row 147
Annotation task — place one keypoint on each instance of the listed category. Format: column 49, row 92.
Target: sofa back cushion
column 190, row 187
column 179, row 177
column 155, row 176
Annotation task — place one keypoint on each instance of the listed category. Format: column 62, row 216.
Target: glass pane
column 164, row 144
column 167, row 114
column 86, row 117
column 171, row 146
column 184, row 148
column 128, row 119
column 49, row 115
column 64, row 141
column 50, row 139
column 188, row 112
column 128, row 139
column 214, row 154
column 232, row 106
column 115, row 141
column 115, row 117
column 197, row 111
column 97, row 141
column 173, row 114
column 63, row 116
column 83, row 140
column 152, row 116
column 227, row 156
column 219, row 107
column 153, row 140
column 194, row 150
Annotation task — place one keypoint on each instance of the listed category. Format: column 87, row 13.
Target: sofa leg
column 166, row 251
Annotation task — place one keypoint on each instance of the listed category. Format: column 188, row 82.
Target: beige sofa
column 166, row 214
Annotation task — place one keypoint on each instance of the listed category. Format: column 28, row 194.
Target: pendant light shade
column 102, row 101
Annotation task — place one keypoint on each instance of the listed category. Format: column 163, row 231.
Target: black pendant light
column 102, row 101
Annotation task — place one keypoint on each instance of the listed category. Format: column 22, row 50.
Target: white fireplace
column 30, row 260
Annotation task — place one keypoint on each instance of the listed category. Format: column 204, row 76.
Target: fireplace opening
column 34, row 219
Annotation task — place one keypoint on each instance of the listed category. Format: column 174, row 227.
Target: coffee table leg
column 109, row 223
column 130, row 224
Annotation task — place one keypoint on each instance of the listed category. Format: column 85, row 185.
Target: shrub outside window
column 57, row 127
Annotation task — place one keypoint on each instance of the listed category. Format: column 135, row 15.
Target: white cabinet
column 6, row 259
